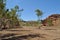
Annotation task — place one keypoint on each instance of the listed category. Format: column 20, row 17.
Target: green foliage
column 39, row 14
column 9, row 17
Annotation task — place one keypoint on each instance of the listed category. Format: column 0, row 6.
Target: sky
column 48, row 7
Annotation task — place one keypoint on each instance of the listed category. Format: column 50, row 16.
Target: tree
column 2, row 12
column 14, row 15
column 2, row 8
column 8, row 17
column 39, row 15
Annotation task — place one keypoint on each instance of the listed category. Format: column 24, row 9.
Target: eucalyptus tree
column 39, row 14
column 2, row 7
column 14, row 16
column 7, row 16
column 2, row 12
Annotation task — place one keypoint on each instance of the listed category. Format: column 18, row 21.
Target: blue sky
column 48, row 7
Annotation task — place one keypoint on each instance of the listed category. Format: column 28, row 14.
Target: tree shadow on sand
column 23, row 37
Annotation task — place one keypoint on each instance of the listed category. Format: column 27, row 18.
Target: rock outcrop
column 53, row 20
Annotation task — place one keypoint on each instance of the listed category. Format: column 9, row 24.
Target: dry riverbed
column 31, row 33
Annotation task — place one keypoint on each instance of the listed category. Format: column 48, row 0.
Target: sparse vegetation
column 12, row 27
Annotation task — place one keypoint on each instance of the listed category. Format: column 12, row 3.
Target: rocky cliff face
column 53, row 20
